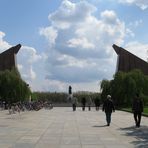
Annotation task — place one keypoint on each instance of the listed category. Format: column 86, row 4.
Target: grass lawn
column 130, row 110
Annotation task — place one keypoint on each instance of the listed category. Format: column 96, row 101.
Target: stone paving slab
column 63, row 128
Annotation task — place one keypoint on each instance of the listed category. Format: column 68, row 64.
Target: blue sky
column 69, row 42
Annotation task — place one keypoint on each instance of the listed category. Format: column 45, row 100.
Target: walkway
column 63, row 128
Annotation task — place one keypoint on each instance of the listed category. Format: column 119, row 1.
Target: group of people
column 85, row 102
column 108, row 107
column 137, row 109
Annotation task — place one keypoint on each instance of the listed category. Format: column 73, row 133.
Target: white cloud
column 30, row 64
column 50, row 33
column 29, row 74
column 109, row 17
column 29, row 54
column 3, row 44
column 130, row 33
column 80, row 42
column 19, row 66
column 82, row 51
column 138, row 49
column 143, row 4
column 70, row 13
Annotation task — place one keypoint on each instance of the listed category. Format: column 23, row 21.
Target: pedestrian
column 97, row 103
column 83, row 101
column 74, row 103
column 137, row 108
column 89, row 103
column 108, row 107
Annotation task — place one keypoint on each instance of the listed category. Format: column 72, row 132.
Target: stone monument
column 127, row 61
column 8, row 58
column 70, row 93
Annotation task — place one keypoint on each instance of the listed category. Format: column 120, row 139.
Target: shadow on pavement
column 141, row 134
column 100, row 126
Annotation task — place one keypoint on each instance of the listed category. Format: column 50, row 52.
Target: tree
column 105, row 88
column 124, row 86
column 129, row 89
column 139, row 78
column 116, row 85
column 12, row 87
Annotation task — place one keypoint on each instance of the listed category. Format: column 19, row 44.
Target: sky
column 69, row 42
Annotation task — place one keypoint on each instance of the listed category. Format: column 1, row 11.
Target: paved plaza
column 63, row 128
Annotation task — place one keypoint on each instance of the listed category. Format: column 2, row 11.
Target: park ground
column 60, row 127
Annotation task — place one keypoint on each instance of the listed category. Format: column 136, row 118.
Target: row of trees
column 12, row 87
column 50, row 96
column 62, row 97
column 124, row 86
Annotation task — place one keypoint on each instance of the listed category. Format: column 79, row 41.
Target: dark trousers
column 137, row 117
column 83, row 107
column 74, row 107
column 108, row 117
column 97, row 108
column 89, row 108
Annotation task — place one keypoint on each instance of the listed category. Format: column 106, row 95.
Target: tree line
column 12, row 87
column 62, row 97
column 124, row 86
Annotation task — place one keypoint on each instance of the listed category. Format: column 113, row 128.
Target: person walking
column 97, row 103
column 89, row 103
column 137, row 108
column 108, row 107
column 74, row 103
column 83, row 101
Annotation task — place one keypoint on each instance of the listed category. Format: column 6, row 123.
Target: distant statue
column 70, row 93
column 70, row 90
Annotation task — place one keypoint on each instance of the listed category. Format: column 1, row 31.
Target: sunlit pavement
column 63, row 128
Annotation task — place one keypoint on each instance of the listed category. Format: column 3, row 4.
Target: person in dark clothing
column 137, row 108
column 97, row 103
column 74, row 103
column 108, row 107
column 83, row 101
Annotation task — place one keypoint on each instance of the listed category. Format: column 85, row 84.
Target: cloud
column 80, row 42
column 143, row 4
column 58, row 86
column 133, row 26
column 50, row 33
column 109, row 17
column 79, row 50
column 27, row 59
column 3, row 44
column 70, row 13
column 82, row 51
column 29, row 54
column 27, row 73
column 30, row 63
column 138, row 49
